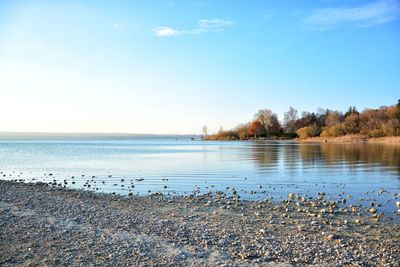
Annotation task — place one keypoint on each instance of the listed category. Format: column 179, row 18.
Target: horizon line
column 10, row 133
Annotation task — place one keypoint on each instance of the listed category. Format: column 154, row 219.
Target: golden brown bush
column 242, row 131
column 352, row 123
column 391, row 127
column 223, row 135
column 334, row 131
column 308, row 131
column 391, row 112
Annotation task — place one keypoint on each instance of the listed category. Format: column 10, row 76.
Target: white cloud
column 117, row 26
column 203, row 26
column 166, row 32
column 375, row 13
column 214, row 23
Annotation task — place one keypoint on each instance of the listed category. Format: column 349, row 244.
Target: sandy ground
column 41, row 225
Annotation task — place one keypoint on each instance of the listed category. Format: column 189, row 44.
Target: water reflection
column 355, row 156
column 266, row 155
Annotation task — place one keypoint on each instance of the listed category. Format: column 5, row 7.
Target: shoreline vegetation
column 373, row 125
column 42, row 225
column 394, row 140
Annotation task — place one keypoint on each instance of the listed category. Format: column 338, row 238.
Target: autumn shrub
column 242, row 131
column 243, row 135
column 304, row 132
column 334, row 131
column 315, row 130
column 391, row 112
column 308, row 131
column 380, row 122
column 256, row 129
column 375, row 133
column 397, row 113
column 224, row 135
column 391, row 127
column 351, row 123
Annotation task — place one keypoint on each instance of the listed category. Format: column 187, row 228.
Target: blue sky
column 173, row 66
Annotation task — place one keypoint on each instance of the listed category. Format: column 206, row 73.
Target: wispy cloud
column 216, row 23
column 368, row 15
column 203, row 26
column 166, row 32
column 117, row 26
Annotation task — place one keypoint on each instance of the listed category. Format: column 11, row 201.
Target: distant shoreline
column 112, row 136
column 336, row 140
column 352, row 139
column 46, row 135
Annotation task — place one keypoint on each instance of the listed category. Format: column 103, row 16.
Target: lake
column 366, row 172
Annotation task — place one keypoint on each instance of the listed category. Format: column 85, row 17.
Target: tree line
column 384, row 121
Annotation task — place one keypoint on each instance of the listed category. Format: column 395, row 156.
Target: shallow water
column 180, row 166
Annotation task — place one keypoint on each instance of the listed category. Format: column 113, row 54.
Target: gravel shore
column 41, row 225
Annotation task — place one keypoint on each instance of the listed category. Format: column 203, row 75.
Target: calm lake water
column 367, row 172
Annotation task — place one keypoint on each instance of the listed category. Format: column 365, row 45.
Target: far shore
column 394, row 140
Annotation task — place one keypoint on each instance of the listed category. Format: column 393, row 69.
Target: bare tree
column 274, row 124
column 204, row 130
column 289, row 120
column 332, row 118
column 264, row 116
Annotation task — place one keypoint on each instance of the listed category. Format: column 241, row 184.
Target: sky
column 173, row 66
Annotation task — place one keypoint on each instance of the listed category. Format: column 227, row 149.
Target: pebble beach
column 41, row 225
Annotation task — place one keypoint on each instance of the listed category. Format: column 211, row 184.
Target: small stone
column 372, row 210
